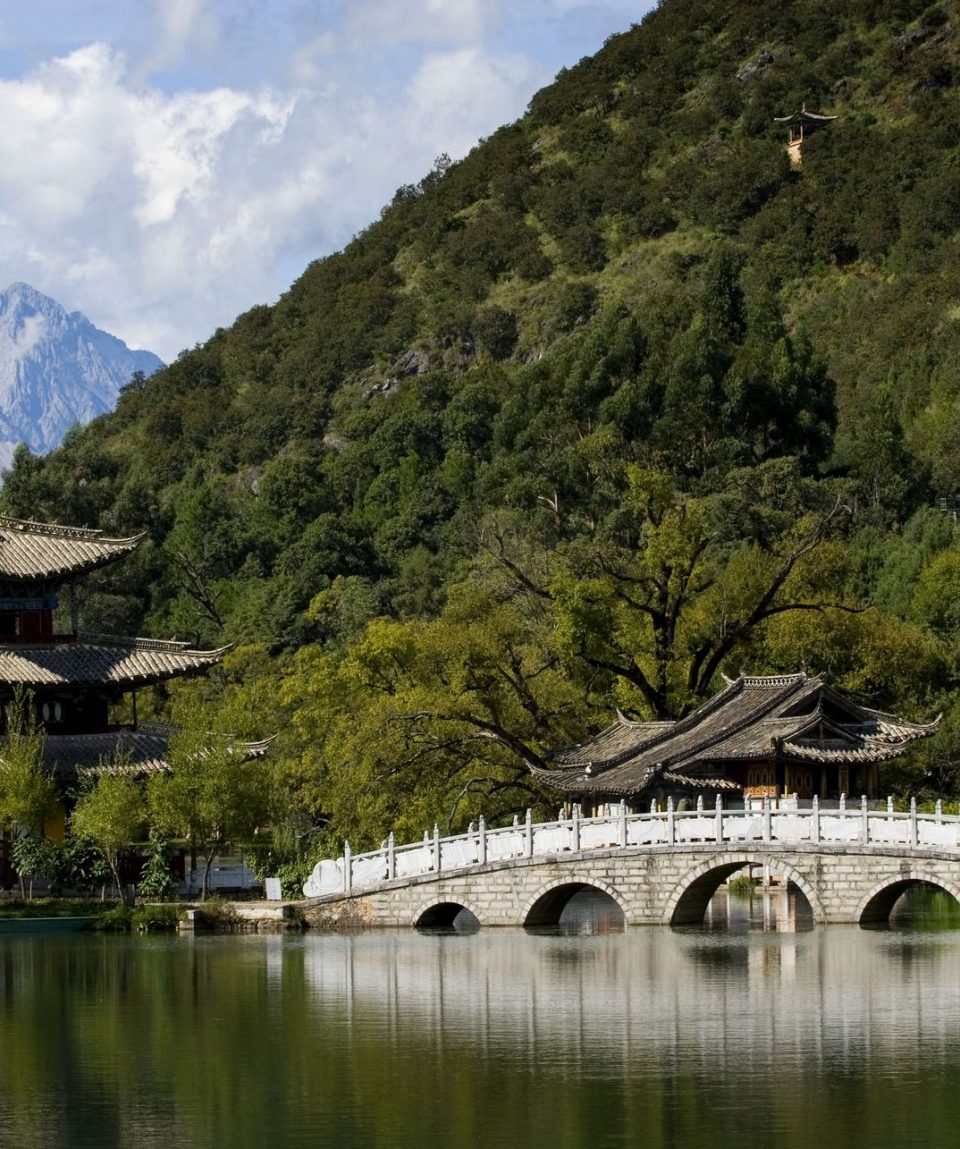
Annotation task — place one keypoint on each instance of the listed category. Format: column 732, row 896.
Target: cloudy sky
column 166, row 164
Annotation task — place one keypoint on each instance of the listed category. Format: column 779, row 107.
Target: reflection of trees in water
column 492, row 1039
column 925, row 907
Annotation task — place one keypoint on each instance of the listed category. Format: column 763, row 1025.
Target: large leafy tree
column 27, row 792
column 439, row 720
column 679, row 585
column 425, row 721
column 212, row 796
column 111, row 813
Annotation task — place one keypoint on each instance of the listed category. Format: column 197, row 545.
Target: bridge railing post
column 913, row 821
column 719, row 819
column 482, row 840
column 767, row 819
column 623, row 824
column 347, row 868
column 529, row 833
column 436, row 847
column 815, row 820
column 890, row 806
column 671, row 825
column 864, row 820
column 391, row 856
column 575, row 827
column 939, row 810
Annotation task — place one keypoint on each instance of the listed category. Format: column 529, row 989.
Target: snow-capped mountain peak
column 56, row 369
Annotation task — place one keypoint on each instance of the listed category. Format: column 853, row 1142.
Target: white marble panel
column 460, row 852
column 646, row 831
column 595, row 835
column 886, row 830
column 696, row 829
column 937, row 833
column 506, row 844
column 367, row 871
column 837, row 829
column 790, row 828
column 415, row 861
column 552, row 839
column 326, row 878
column 744, row 828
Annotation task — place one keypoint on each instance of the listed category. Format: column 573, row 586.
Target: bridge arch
column 875, row 908
column 546, row 906
column 687, row 903
column 441, row 913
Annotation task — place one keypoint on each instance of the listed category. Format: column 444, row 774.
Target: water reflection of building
column 759, row 736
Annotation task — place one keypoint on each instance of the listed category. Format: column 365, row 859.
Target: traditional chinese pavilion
column 800, row 125
column 759, row 736
column 73, row 679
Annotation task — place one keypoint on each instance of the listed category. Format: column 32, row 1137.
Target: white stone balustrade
column 856, row 825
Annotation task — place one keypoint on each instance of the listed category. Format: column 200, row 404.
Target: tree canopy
column 617, row 402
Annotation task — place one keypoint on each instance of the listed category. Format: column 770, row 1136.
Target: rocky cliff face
column 56, row 369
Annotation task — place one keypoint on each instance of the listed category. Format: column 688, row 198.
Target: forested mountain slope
column 618, row 401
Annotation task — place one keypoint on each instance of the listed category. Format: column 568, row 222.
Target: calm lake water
column 738, row 1034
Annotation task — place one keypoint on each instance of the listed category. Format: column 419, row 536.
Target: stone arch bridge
column 851, row 865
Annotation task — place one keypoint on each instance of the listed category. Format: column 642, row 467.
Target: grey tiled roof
column 100, row 659
column 132, row 752
column 812, row 119
column 141, row 752
column 39, row 551
column 793, row 716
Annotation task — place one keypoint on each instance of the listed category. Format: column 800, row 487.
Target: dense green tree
column 27, row 792
column 110, row 813
column 621, row 364
column 212, row 795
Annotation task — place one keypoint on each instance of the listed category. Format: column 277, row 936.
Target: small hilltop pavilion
column 800, row 125
column 772, row 737
column 73, row 679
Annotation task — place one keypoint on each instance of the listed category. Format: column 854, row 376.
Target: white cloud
column 444, row 21
column 183, row 27
column 30, row 333
column 163, row 204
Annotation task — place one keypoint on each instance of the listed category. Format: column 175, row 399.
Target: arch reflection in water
column 575, row 908
column 696, row 900
column 713, row 902
column 912, row 904
column 448, row 917
column 390, row 1039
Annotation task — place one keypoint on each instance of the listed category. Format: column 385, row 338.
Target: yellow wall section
column 55, row 824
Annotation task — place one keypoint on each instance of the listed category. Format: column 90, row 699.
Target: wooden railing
column 817, row 824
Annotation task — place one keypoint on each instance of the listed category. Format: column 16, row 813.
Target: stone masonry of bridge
column 659, row 885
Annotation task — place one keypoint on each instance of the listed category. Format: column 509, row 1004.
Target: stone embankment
column 245, row 917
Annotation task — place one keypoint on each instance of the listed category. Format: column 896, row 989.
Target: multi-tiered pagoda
column 74, row 679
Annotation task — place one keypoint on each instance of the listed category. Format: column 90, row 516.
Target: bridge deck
column 885, row 831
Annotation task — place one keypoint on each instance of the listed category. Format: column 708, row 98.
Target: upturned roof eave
column 115, row 663
column 125, row 751
column 804, row 117
column 49, row 552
